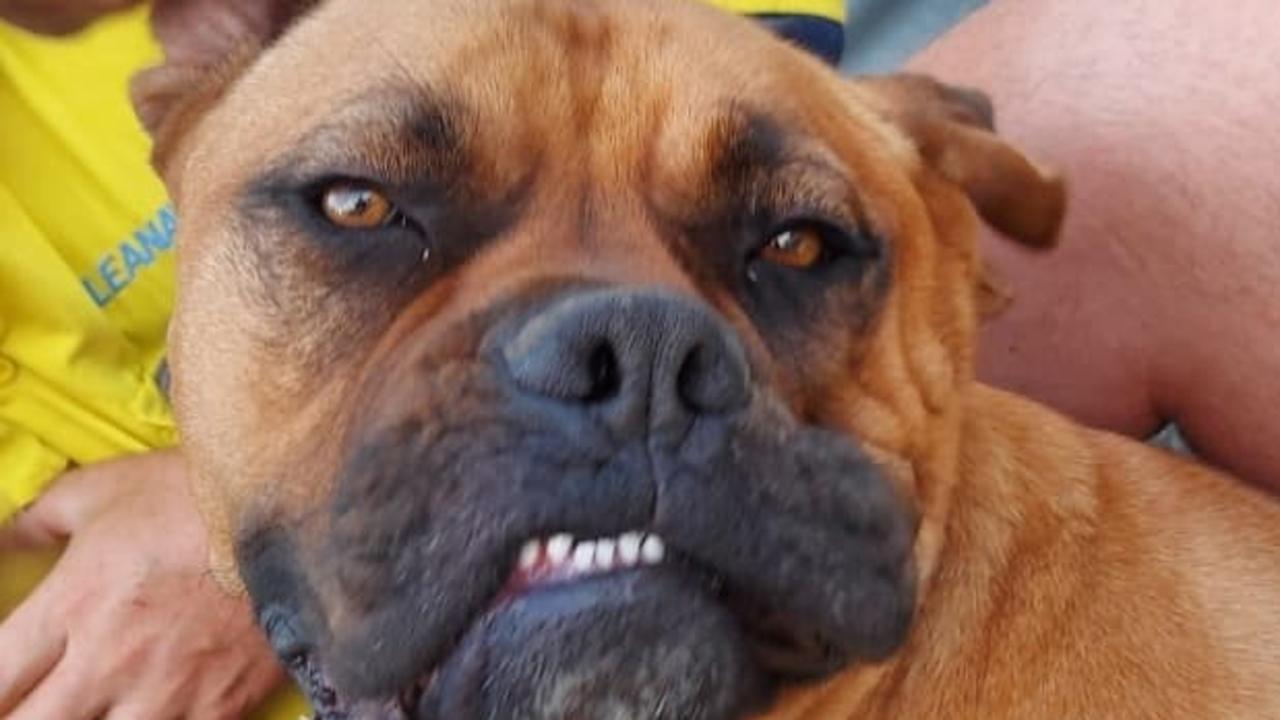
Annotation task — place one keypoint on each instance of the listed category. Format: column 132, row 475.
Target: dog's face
column 553, row 358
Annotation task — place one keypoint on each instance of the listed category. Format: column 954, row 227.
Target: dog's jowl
column 573, row 359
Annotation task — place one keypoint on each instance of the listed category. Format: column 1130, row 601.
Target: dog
column 574, row 359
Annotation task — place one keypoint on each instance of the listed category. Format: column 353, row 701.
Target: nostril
column 629, row 356
column 711, row 378
column 602, row 368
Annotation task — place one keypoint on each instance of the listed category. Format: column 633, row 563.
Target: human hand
column 128, row 624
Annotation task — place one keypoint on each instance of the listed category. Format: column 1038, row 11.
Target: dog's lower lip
column 543, row 562
column 547, row 563
column 310, row 677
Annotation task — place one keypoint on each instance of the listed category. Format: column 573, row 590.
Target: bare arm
column 1164, row 299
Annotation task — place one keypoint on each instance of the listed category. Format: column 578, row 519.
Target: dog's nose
column 640, row 359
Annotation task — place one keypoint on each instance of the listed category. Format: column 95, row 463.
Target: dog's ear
column 954, row 131
column 206, row 44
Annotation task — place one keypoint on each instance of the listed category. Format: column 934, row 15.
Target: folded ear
column 954, row 131
column 207, row 43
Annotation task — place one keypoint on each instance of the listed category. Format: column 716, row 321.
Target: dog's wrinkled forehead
column 621, row 89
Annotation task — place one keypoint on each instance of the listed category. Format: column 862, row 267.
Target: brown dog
column 462, row 280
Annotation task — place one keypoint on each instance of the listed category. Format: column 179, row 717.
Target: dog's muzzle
column 581, row 504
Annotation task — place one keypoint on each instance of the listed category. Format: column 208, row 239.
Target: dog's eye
column 801, row 246
column 356, row 207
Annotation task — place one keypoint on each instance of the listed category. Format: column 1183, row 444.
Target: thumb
column 73, row 498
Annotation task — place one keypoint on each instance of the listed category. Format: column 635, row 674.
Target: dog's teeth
column 629, row 548
column 529, row 554
column 584, row 556
column 652, row 550
column 558, row 548
column 604, row 554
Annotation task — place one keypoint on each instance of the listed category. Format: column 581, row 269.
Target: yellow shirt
column 86, row 267
column 829, row 9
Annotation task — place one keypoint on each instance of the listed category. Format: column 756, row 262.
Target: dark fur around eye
column 777, row 294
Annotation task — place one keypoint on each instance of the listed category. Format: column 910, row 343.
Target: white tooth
column 583, row 556
column 652, row 550
column 529, row 554
column 629, row 548
column 604, row 554
column 558, row 548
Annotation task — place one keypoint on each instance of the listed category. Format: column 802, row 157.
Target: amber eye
column 800, row 247
column 356, row 207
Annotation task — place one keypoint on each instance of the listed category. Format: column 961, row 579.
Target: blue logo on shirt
column 121, row 266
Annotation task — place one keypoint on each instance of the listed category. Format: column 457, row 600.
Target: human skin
column 129, row 624
column 1160, row 303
